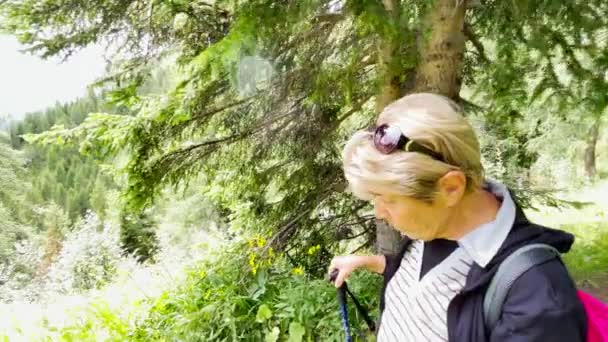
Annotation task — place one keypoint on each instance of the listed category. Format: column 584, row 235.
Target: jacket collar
column 483, row 243
column 522, row 233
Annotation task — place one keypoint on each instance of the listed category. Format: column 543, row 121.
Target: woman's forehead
column 384, row 193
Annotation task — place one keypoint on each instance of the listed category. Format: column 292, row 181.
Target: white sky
column 29, row 83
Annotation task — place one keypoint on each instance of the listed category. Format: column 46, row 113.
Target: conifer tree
column 270, row 89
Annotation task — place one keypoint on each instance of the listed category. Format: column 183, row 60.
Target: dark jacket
column 542, row 304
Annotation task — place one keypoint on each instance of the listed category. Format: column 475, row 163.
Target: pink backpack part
column 597, row 317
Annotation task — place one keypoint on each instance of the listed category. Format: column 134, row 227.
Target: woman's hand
column 348, row 263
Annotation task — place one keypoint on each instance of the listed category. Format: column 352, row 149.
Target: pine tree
column 137, row 235
column 14, row 210
column 60, row 172
column 322, row 70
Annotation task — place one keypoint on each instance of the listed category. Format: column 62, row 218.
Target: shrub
column 137, row 236
column 18, row 276
column 88, row 257
column 223, row 299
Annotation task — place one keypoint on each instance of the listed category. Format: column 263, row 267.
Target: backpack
column 517, row 264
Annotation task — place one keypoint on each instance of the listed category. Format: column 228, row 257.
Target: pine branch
column 332, row 18
column 179, row 159
column 208, row 114
column 469, row 106
column 353, row 110
column 472, row 37
column 364, row 245
column 307, row 205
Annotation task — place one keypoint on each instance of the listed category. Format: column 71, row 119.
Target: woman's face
column 416, row 219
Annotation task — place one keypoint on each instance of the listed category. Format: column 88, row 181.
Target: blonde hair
column 429, row 119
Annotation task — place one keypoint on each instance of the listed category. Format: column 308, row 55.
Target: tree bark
column 441, row 48
column 387, row 238
column 388, row 61
column 439, row 70
column 593, row 136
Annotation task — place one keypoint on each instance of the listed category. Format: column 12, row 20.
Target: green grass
column 588, row 259
column 589, row 256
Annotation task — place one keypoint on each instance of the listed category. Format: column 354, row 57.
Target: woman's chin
column 417, row 235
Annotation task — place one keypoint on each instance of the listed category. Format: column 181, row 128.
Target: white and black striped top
column 416, row 309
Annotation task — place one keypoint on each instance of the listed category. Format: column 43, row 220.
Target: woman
column 421, row 167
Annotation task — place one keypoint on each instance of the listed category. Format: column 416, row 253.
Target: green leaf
column 264, row 313
column 296, row 332
column 273, row 336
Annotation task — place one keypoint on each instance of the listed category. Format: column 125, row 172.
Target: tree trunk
column 439, row 70
column 387, row 238
column 388, row 61
column 442, row 49
column 593, row 136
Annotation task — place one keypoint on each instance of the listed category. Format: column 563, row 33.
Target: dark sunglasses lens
column 385, row 139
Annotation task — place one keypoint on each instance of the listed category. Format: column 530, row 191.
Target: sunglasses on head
column 388, row 139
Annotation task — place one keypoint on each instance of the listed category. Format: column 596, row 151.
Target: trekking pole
column 341, row 295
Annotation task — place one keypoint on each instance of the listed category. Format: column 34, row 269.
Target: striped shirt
column 418, row 295
column 416, row 309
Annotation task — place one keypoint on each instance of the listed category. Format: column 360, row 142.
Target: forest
column 196, row 191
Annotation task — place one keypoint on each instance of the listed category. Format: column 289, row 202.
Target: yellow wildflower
column 261, row 242
column 314, row 249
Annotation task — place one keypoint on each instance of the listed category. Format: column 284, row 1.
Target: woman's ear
column 451, row 187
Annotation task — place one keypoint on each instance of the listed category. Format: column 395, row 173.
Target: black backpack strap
column 508, row 272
